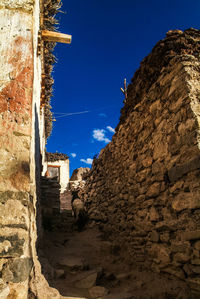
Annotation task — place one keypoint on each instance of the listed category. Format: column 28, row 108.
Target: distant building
column 57, row 165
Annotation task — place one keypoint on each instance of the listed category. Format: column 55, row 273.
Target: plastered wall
column 21, row 133
column 16, row 91
column 64, row 172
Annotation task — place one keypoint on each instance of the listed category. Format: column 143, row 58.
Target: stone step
column 86, row 280
column 63, row 297
column 72, row 263
column 98, row 292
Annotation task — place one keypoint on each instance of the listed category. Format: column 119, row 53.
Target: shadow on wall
column 47, row 192
column 38, row 166
column 47, row 206
column 38, row 170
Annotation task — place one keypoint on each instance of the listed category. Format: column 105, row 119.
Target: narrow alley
column 86, row 265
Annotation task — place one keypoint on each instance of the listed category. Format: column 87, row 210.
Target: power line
column 69, row 114
column 63, row 114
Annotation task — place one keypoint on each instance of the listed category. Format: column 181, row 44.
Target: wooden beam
column 56, row 37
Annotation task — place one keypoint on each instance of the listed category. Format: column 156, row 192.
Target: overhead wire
column 64, row 114
column 69, row 114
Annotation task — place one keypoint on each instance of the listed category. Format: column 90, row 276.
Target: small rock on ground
column 72, row 262
column 98, row 292
column 87, row 281
column 59, row 273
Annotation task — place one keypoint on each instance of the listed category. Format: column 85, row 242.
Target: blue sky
column 109, row 40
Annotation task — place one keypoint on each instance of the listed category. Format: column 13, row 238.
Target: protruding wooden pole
column 56, row 37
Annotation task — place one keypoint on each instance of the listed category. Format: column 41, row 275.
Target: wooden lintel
column 56, row 37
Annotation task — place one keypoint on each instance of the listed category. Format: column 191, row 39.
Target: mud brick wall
column 144, row 189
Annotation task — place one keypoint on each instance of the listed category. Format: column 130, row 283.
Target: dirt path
column 82, row 265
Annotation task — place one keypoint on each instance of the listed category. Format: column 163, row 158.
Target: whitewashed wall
column 64, row 172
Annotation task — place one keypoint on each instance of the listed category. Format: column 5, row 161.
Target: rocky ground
column 86, row 265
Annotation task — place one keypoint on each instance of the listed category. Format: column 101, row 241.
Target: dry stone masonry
column 78, row 179
column 144, row 189
column 50, row 201
column 55, row 207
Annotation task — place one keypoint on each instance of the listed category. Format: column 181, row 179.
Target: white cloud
column 87, row 161
column 73, row 155
column 107, row 140
column 99, row 135
column 109, row 128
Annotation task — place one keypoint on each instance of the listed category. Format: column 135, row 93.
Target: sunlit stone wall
column 144, row 189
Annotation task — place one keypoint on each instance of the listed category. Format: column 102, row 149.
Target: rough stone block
column 189, row 125
column 147, row 162
column 190, row 235
column 153, row 190
column 59, row 273
column 161, row 254
column 194, row 283
column 195, row 269
column 167, row 225
column 178, row 171
column 176, row 105
column 154, row 236
column 165, row 237
column 195, row 261
column 14, row 214
column 142, row 175
column 160, row 149
column 4, row 289
column 186, row 201
column 157, row 167
column 180, row 246
column 181, row 257
column 17, row 270
column 197, row 245
column 166, row 213
column 11, row 246
column 155, row 107
column 72, row 262
column 153, row 214
column 174, row 143
column 177, row 272
column 10, row 195
column 98, row 292
column 25, row 5
column 177, row 186
column 87, row 280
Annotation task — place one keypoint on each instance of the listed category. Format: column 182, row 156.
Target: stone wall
column 78, row 179
column 50, row 202
column 56, row 207
column 20, row 139
column 144, row 187
column 16, row 91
